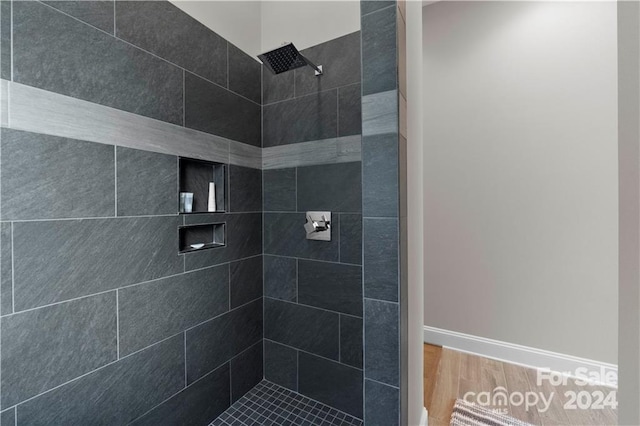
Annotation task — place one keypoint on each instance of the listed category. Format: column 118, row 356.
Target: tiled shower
column 107, row 315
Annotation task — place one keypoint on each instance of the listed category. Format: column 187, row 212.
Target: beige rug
column 466, row 414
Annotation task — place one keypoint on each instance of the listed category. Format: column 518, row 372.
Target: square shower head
column 284, row 58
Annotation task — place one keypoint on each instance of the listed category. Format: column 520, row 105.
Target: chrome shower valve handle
column 318, row 226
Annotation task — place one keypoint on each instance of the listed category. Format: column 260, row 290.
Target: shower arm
column 317, row 68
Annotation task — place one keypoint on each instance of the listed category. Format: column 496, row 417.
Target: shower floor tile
column 269, row 404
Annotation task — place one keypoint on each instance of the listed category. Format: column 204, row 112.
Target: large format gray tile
column 154, row 311
column 382, row 341
column 351, row 238
column 51, row 113
column 98, row 13
column 379, row 63
column 105, row 254
column 330, row 286
column 279, row 190
column 380, row 175
column 277, row 87
column 55, row 52
column 46, row 177
column 331, row 187
column 332, row 383
column 245, row 74
column 340, row 60
column 198, row 404
column 281, row 365
column 216, row 110
column 246, row 371
column 147, row 182
column 381, row 279
column 243, row 238
column 307, row 118
column 350, row 110
column 217, row 341
column 245, row 189
column 280, row 278
column 312, row 330
column 116, row 394
column 6, row 270
column 351, row 341
column 47, row 347
column 245, row 280
column 381, row 404
column 163, row 29
column 284, row 235
column 5, row 39
column 369, row 6
column 8, row 417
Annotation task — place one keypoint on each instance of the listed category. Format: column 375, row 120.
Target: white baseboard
column 424, row 419
column 523, row 355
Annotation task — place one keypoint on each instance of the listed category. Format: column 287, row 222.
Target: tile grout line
column 185, row 360
column 12, row 40
column 313, row 260
column 339, row 338
column 128, row 286
column 115, row 176
column 146, row 51
column 13, row 275
column 118, row 324
column 230, row 384
column 184, row 97
column 380, row 383
column 318, row 308
column 102, row 367
column 268, row 104
column 298, row 350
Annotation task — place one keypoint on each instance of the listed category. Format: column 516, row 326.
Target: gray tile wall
column 101, row 320
column 382, row 167
column 144, row 57
column 300, row 107
column 86, row 301
column 313, row 300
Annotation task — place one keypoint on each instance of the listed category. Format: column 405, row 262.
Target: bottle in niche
column 186, row 202
column 211, row 205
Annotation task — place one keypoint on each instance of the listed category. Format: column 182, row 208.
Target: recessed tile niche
column 195, row 177
column 201, row 237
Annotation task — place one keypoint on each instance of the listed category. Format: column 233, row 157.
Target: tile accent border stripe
column 344, row 149
column 35, row 110
column 380, row 113
column 41, row 111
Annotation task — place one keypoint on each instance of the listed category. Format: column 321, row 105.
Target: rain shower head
column 286, row 58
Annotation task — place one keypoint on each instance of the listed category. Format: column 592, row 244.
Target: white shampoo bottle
column 211, row 205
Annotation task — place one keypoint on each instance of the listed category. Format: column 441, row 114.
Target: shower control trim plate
column 318, row 226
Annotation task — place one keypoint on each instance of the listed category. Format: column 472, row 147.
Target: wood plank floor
column 449, row 375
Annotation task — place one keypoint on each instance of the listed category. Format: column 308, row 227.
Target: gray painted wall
column 629, row 175
column 521, row 201
column 103, row 322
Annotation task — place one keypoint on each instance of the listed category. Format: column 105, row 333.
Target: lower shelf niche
column 201, row 237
